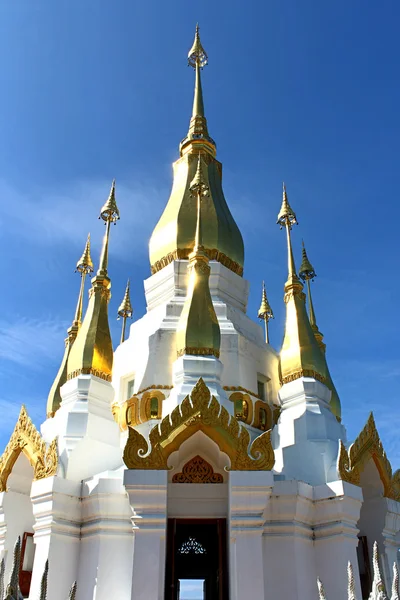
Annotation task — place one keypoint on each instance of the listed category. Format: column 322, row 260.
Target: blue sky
column 303, row 92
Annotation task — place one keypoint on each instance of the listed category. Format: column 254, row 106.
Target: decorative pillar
column 390, row 550
column 147, row 491
column 288, row 547
column 106, row 557
column 249, row 493
column 337, row 511
column 57, row 511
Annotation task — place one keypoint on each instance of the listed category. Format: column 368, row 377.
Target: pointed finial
column 321, row 591
column 265, row 312
column 197, row 55
column 85, row 264
column 306, row 270
column 13, row 586
column 395, row 583
column 110, row 211
column 378, row 586
column 286, row 216
column 125, row 308
column 72, row 593
column 43, row 583
column 351, row 588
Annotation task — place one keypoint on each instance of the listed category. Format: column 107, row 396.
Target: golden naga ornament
column 368, row 445
column 199, row 412
column 26, row 438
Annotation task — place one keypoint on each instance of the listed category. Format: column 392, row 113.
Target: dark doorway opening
column 196, row 550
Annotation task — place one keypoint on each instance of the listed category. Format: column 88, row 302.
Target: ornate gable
column 199, row 411
column 26, row 438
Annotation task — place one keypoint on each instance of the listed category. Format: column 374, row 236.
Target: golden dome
column 174, row 235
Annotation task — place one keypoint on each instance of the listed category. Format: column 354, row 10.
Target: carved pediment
column 197, row 470
column 368, row 446
column 26, row 438
column 199, row 412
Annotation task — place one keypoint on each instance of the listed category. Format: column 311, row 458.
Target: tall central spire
column 300, row 355
column 174, row 235
column 198, row 130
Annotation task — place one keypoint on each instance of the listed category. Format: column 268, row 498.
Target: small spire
column 300, row 355
column 265, row 312
column 43, row 583
column 307, row 274
column 13, row 590
column 198, row 131
column 125, row 310
column 92, row 352
column 395, row 583
column 2, row 569
column 378, row 586
column 110, row 214
column 72, row 593
column 84, row 266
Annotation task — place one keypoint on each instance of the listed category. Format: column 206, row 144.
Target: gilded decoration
column 197, row 470
column 368, row 445
column 26, row 438
column 199, row 411
column 238, row 388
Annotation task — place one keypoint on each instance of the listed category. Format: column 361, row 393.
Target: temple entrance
column 196, row 560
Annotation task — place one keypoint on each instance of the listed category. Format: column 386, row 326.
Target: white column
column 147, row 491
column 337, row 510
column 249, row 492
column 389, row 552
column 57, row 511
column 106, row 557
column 289, row 561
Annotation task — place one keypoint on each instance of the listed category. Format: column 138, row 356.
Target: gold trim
column 197, row 470
column 183, row 254
column 154, row 387
column 238, row 388
column 200, row 411
column 26, row 438
column 303, row 373
column 198, row 352
column 367, row 445
column 89, row 371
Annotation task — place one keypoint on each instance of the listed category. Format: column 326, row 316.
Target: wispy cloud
column 66, row 215
column 30, row 343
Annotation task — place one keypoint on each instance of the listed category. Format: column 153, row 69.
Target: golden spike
column 300, row 355
column 307, row 274
column 92, row 352
column 198, row 330
column 198, row 131
column 265, row 312
column 125, row 310
column 84, row 266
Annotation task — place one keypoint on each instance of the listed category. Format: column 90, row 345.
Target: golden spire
column 265, row 312
column 84, row 266
column 92, row 352
column 173, row 236
column 198, row 131
column 307, row 274
column 300, row 355
column 125, row 310
column 198, row 330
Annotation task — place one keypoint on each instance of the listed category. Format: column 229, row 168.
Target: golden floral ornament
column 368, row 445
column 197, row 470
column 26, row 438
column 199, row 412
